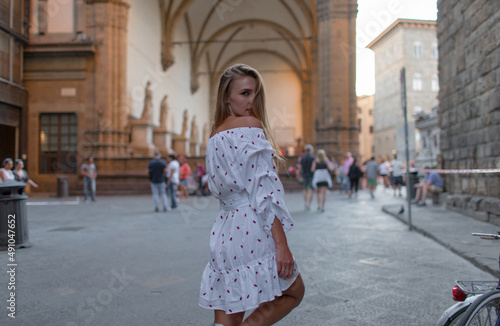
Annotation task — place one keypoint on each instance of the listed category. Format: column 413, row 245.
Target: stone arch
column 285, row 33
column 170, row 18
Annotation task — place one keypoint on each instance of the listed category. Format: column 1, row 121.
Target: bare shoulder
column 238, row 122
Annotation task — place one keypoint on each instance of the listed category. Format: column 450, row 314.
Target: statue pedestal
column 142, row 137
column 194, row 148
column 181, row 145
column 162, row 139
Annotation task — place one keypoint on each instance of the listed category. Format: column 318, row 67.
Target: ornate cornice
column 401, row 23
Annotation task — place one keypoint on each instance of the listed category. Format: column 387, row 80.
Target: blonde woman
column 250, row 264
column 322, row 179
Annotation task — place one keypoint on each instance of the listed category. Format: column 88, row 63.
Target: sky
column 374, row 16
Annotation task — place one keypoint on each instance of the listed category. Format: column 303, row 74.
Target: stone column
column 106, row 24
column 336, row 123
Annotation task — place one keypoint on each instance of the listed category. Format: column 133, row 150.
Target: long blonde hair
column 222, row 109
column 321, row 155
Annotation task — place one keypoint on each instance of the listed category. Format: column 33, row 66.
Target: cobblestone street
column 117, row 262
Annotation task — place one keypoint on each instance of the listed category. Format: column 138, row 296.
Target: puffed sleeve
column 260, row 177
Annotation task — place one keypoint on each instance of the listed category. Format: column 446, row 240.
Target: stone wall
column 469, row 111
column 486, row 209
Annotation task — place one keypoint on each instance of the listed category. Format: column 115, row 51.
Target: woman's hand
column 284, row 259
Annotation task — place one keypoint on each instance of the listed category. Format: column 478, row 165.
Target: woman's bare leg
column 271, row 312
column 318, row 192
column 323, row 196
column 228, row 320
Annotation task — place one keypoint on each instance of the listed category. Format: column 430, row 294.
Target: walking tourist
column 184, row 177
column 371, row 169
column 397, row 175
column 322, row 179
column 172, row 179
column 89, row 172
column 383, row 170
column 346, row 165
column 354, row 175
column 305, row 165
column 157, row 168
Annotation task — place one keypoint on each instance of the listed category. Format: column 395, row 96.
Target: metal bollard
column 62, row 186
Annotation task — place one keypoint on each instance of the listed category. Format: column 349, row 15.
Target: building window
column 12, row 37
column 61, row 15
column 370, row 112
column 4, row 55
column 5, row 12
column 435, row 83
column 58, row 143
column 359, row 123
column 417, row 50
column 435, row 52
column 417, row 82
column 371, row 129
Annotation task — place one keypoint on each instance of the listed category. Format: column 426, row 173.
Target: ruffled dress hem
column 246, row 294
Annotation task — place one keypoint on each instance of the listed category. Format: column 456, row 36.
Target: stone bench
column 438, row 197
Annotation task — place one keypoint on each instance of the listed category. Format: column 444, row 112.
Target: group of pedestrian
column 164, row 177
column 14, row 170
column 349, row 175
column 316, row 174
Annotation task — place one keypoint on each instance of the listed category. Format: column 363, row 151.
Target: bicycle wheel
column 484, row 311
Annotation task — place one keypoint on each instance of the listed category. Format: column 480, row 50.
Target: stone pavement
column 116, row 262
column 450, row 229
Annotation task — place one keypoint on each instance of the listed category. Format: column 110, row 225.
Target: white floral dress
column 242, row 271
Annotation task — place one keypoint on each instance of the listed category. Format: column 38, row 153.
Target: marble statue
column 146, row 113
column 163, row 113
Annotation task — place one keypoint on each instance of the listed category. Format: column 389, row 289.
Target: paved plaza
column 117, row 262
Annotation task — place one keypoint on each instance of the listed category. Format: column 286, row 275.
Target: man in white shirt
column 172, row 179
column 397, row 174
column 89, row 172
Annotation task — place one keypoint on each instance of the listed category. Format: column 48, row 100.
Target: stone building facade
column 366, row 128
column 429, row 154
column 13, row 93
column 117, row 79
column 411, row 44
column 468, row 32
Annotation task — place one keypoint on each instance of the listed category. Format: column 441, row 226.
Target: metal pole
column 403, row 105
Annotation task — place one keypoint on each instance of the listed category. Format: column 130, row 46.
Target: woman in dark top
column 322, row 179
column 21, row 175
column 354, row 174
